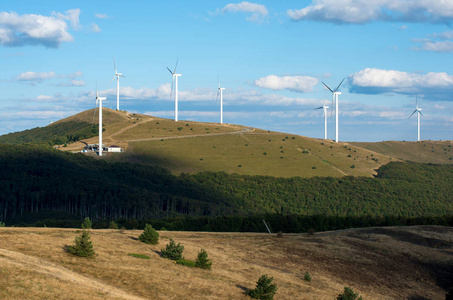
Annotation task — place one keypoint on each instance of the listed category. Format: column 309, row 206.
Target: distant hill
column 436, row 152
column 192, row 147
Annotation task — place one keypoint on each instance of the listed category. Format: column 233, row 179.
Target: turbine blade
column 327, row 86
column 420, row 113
column 218, row 80
column 217, row 98
column 331, row 108
column 112, row 80
column 412, row 114
column 114, row 64
column 319, row 107
column 171, row 91
column 169, row 70
column 176, row 65
column 339, row 85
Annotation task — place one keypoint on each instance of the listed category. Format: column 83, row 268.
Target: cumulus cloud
column 19, row 30
column 301, row 84
column 377, row 81
column 35, row 77
column 257, row 11
column 365, row 11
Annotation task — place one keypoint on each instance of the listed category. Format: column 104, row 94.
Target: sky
column 270, row 56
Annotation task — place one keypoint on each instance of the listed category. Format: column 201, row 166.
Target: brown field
column 379, row 263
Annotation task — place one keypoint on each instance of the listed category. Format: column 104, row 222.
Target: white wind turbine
column 100, row 99
column 335, row 94
column 117, row 75
column 175, row 80
column 324, row 107
column 419, row 112
column 220, row 90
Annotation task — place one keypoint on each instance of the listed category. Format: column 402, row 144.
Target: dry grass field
column 379, row 263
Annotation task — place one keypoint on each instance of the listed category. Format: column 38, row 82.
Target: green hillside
column 436, row 152
column 35, row 179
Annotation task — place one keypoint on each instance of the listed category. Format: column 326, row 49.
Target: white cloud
column 20, row 30
column 301, row 84
column 71, row 15
column 257, row 11
column 35, row 77
column 376, row 81
column 101, row 16
column 437, row 42
column 365, row 11
column 437, row 46
column 95, row 28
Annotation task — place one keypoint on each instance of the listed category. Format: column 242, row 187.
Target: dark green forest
column 38, row 183
column 54, row 134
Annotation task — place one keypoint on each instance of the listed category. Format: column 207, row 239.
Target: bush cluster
column 264, row 290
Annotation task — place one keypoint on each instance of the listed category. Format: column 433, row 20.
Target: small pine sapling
column 348, row 294
column 87, row 224
column 149, row 235
column 172, row 250
column 307, row 276
column 264, row 290
column 83, row 246
column 203, row 261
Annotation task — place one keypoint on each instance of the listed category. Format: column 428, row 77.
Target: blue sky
column 271, row 57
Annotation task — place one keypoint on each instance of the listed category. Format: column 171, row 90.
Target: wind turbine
column 324, row 107
column 220, row 90
column 419, row 112
column 335, row 94
column 117, row 75
column 175, row 80
column 100, row 99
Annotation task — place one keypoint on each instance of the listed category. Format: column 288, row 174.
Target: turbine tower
column 324, row 107
column 175, row 80
column 117, row 75
column 419, row 112
column 335, row 94
column 100, row 99
column 220, row 90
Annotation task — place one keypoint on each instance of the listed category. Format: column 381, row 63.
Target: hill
column 435, row 152
column 379, row 263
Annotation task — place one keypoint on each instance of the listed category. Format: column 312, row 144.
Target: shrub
column 307, row 276
column 113, row 225
column 264, row 289
column 87, row 224
column 353, row 167
column 203, row 261
column 2, row 224
column 172, row 250
column 83, row 246
column 348, row 294
column 149, row 235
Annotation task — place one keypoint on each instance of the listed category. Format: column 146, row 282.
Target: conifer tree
column 83, row 246
column 264, row 290
column 149, row 235
column 203, row 261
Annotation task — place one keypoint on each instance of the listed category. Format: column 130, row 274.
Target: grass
column 304, row 157
column 437, row 152
column 142, row 256
column 380, row 263
column 190, row 147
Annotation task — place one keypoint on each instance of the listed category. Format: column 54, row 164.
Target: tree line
column 36, row 180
